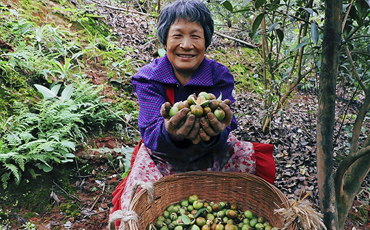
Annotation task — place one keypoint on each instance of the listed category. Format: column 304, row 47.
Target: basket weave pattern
column 248, row 191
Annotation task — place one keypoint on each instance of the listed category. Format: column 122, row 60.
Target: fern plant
column 48, row 134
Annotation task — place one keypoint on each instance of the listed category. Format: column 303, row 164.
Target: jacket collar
column 202, row 77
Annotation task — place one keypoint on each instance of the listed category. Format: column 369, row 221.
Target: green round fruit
column 198, row 204
column 210, row 216
column 167, row 221
column 213, row 104
column 219, row 227
column 248, row 214
column 230, row 227
column 197, row 110
column 173, row 216
column 259, row 226
column 171, row 226
column 173, row 111
column 166, row 214
column 253, row 222
column 158, row 224
column 219, row 114
column 246, row 227
column 181, row 105
column 216, row 207
column 184, row 203
column 245, row 221
column 204, row 94
column 211, row 96
column 221, row 213
column 200, row 221
column 232, row 214
column 261, row 219
column 234, row 206
column 223, row 204
column 192, row 198
column 206, row 110
column 206, row 227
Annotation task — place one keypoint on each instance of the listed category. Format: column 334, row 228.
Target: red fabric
column 170, row 94
column 116, row 201
column 265, row 163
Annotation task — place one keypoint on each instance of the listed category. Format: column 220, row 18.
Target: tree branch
column 349, row 176
column 345, row 17
column 357, row 75
column 249, row 45
column 359, row 36
column 344, row 166
column 122, row 119
column 121, row 9
column 298, row 19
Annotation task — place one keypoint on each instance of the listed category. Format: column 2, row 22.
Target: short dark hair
column 190, row 10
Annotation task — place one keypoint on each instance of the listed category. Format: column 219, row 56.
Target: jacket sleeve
column 151, row 96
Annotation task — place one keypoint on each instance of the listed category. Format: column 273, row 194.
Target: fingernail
column 191, row 118
column 184, row 111
column 204, row 121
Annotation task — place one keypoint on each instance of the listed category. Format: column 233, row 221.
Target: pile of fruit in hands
column 200, row 105
column 196, row 214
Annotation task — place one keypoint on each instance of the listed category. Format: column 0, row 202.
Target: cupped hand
column 181, row 125
column 214, row 126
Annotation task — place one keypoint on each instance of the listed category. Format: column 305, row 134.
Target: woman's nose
column 186, row 43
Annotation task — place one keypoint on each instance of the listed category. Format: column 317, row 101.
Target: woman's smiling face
column 185, row 46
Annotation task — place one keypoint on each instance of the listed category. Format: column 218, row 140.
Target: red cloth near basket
column 116, row 201
column 265, row 164
column 265, row 168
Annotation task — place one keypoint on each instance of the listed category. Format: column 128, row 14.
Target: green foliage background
column 39, row 131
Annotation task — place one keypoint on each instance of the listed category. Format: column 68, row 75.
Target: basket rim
column 244, row 176
column 213, row 173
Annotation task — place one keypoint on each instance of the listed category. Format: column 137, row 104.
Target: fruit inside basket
column 248, row 192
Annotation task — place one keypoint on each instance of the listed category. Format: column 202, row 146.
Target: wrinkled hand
column 190, row 127
column 215, row 127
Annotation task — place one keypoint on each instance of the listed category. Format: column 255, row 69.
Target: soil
column 91, row 188
column 80, row 195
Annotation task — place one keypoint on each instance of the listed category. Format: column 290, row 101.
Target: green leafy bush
column 48, row 133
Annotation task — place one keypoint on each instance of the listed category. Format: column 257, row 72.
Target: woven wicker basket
column 248, row 191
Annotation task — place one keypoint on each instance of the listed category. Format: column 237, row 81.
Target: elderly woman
column 185, row 28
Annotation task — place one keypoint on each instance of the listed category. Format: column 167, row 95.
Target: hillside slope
column 116, row 43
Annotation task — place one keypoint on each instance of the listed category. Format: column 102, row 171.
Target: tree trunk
column 353, row 169
column 326, row 111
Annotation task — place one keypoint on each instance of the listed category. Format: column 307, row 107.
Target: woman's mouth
column 186, row 55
